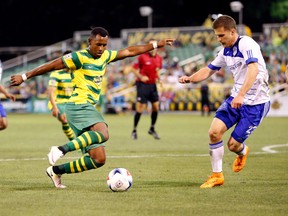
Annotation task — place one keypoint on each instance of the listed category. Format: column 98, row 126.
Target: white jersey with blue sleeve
column 236, row 59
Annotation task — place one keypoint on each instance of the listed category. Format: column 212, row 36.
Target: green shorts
column 80, row 117
column 61, row 108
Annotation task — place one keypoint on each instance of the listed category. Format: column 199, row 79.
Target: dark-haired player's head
column 98, row 41
column 99, row 31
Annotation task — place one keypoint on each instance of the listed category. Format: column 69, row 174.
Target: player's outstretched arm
column 7, row 94
column 140, row 49
column 56, row 64
column 198, row 76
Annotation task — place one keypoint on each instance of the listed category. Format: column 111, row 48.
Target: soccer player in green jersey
column 88, row 67
column 60, row 89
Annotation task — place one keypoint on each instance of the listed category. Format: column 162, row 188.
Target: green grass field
column 167, row 173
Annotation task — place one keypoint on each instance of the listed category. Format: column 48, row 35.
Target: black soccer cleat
column 154, row 134
column 134, row 135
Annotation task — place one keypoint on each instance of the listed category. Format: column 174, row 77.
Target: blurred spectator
column 205, row 101
column 166, row 97
column 41, row 89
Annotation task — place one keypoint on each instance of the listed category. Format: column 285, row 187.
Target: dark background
column 44, row 22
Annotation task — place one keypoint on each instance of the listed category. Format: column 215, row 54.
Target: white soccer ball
column 119, row 179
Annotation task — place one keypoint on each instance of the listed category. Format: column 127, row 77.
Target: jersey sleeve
column 218, row 62
column 249, row 49
column 72, row 60
column 111, row 55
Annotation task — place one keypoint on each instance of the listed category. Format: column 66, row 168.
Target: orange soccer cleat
column 216, row 179
column 240, row 161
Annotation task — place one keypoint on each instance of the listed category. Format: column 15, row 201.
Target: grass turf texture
column 166, row 173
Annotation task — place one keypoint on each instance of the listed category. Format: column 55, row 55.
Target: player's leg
column 154, row 116
column 96, row 159
column 224, row 119
column 241, row 150
column 216, row 150
column 89, row 127
column 236, row 143
column 141, row 105
column 89, row 141
column 98, row 134
column 92, row 132
column 252, row 116
column 67, row 130
column 154, row 99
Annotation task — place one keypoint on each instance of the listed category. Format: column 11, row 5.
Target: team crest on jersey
column 98, row 80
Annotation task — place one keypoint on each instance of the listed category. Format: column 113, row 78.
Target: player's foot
column 216, row 179
column 56, row 179
column 240, row 161
column 153, row 133
column 54, row 155
column 134, row 135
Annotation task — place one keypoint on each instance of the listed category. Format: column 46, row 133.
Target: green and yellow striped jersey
column 61, row 79
column 87, row 74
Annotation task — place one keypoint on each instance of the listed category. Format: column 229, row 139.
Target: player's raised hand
column 184, row 79
column 167, row 41
column 16, row 80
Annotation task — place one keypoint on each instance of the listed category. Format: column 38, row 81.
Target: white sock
column 243, row 151
column 216, row 154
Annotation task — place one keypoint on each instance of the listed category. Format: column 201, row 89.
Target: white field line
column 266, row 150
column 270, row 149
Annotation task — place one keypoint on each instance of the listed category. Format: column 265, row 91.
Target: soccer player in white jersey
column 88, row 67
column 248, row 103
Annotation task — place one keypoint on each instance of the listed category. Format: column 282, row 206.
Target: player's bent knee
column 214, row 135
column 106, row 137
column 233, row 146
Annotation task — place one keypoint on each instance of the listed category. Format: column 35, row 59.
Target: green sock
column 68, row 131
column 80, row 165
column 84, row 140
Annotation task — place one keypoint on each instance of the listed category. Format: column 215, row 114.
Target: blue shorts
column 2, row 111
column 247, row 118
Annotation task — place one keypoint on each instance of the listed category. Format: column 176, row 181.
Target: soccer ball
column 119, row 179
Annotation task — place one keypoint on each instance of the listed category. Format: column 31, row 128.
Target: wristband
column 155, row 45
column 24, row 77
